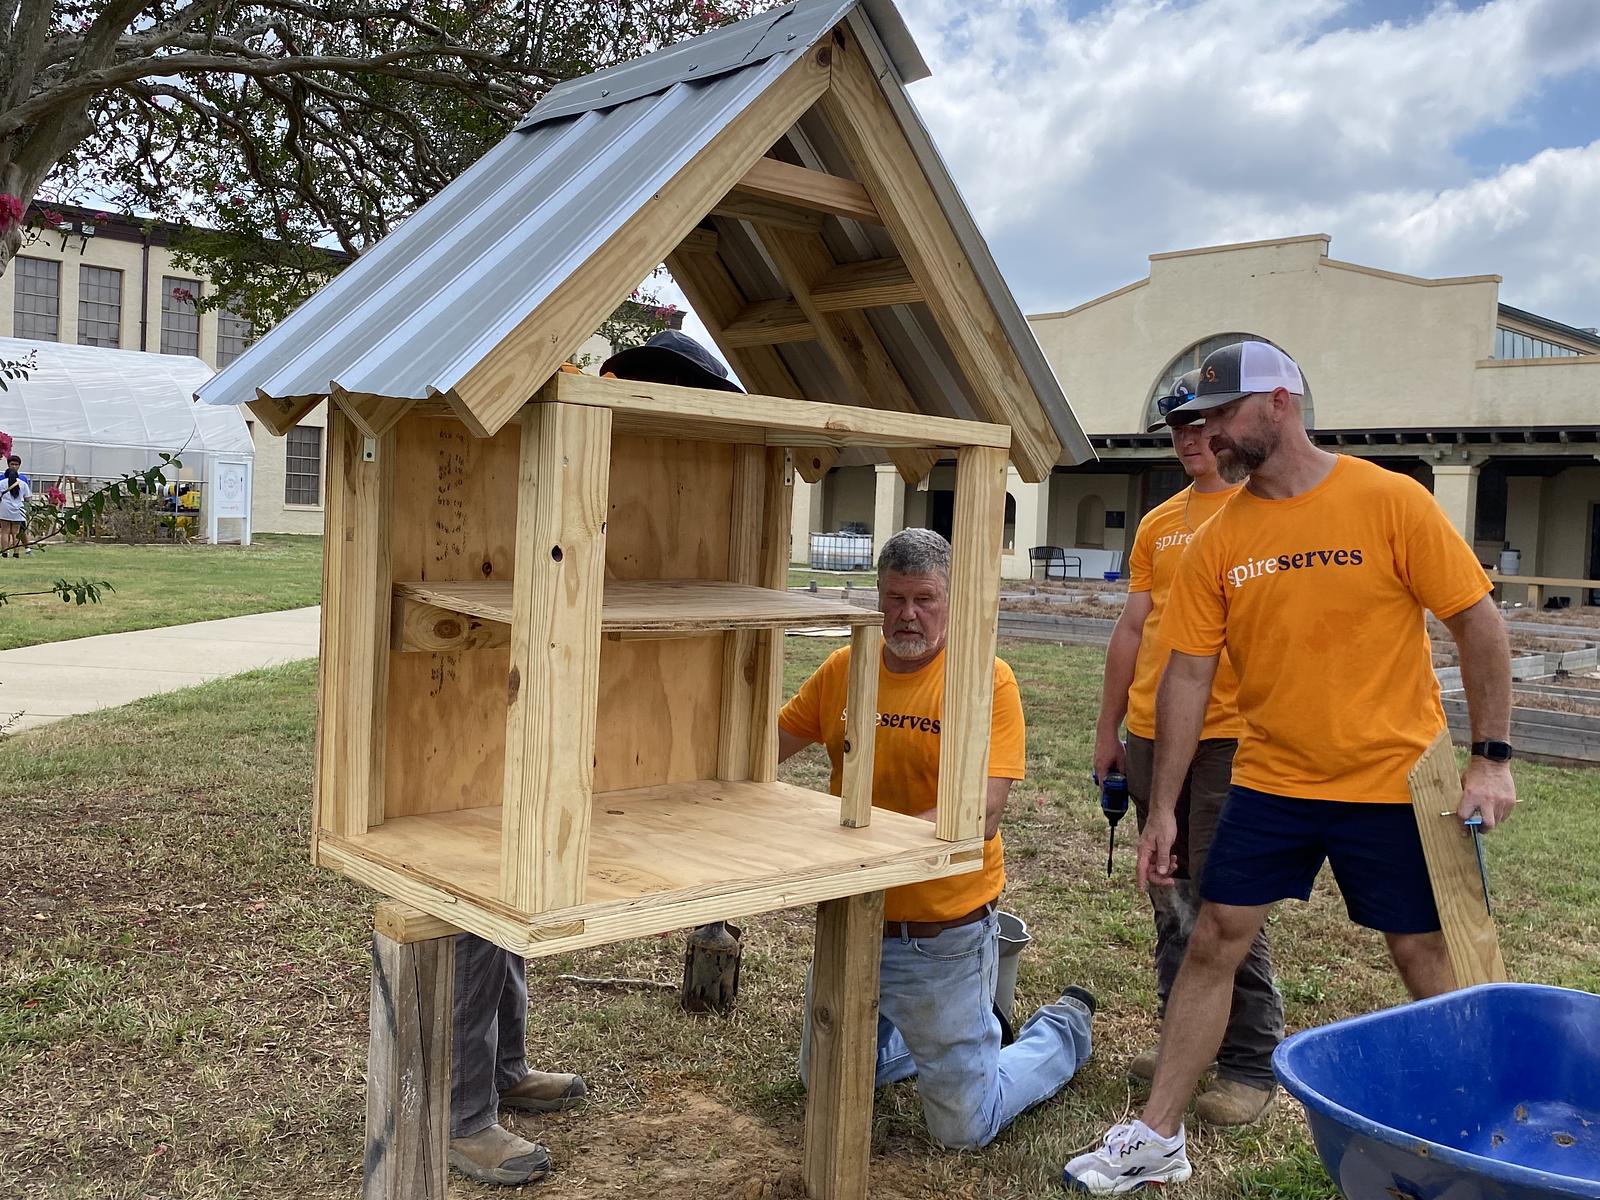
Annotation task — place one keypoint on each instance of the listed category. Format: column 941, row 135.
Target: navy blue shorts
column 1269, row 848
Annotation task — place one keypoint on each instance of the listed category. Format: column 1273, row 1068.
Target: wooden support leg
column 408, row 1069
column 768, row 692
column 553, row 688
column 844, row 1041
column 861, row 726
column 969, row 653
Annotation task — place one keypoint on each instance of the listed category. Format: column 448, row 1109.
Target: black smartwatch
column 1492, row 750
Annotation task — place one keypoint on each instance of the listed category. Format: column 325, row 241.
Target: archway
column 1193, row 356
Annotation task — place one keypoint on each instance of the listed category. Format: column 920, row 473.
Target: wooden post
column 844, row 1042
column 774, row 573
column 408, row 1069
column 356, row 600
column 861, row 726
column 1469, row 931
column 553, row 686
column 969, row 654
column 740, row 650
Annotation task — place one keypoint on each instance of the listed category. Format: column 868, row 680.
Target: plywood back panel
column 455, row 517
column 660, row 701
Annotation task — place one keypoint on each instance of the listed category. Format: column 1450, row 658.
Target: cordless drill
column 1114, row 803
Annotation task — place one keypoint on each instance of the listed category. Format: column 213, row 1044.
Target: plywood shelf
column 660, row 606
column 660, row 858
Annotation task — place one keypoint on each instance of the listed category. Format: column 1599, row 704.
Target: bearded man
column 940, row 940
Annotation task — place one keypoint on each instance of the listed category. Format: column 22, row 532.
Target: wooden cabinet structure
column 554, row 605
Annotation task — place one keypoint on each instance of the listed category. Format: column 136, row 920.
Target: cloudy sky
column 1429, row 138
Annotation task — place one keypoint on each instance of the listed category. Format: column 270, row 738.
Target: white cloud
column 1084, row 145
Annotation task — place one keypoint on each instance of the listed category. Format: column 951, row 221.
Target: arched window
column 1009, row 541
column 1193, row 357
column 1091, row 523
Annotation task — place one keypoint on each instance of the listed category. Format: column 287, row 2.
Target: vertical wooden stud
column 969, row 654
column 741, row 647
column 768, row 687
column 1469, row 932
column 861, row 726
column 408, row 1069
column 553, row 684
column 356, row 600
column 844, row 1042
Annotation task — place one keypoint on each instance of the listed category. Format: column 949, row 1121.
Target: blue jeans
column 936, row 1021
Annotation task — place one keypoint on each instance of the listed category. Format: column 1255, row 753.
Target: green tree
column 281, row 127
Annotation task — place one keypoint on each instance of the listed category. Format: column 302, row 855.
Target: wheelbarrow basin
column 1488, row 1093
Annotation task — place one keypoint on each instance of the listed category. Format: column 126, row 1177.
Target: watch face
column 1497, row 751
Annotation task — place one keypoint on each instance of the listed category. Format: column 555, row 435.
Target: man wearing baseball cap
column 1135, row 660
column 1315, row 578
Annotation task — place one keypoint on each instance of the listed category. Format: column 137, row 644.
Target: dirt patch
column 1095, row 609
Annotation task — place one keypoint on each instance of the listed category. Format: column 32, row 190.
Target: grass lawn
column 801, row 576
column 183, row 999
column 157, row 586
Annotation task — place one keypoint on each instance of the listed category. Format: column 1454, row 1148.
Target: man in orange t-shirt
column 1315, row 578
column 940, row 941
column 1135, row 660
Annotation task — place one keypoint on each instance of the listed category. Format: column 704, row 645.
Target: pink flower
column 55, row 496
column 52, row 218
column 184, row 294
column 11, row 210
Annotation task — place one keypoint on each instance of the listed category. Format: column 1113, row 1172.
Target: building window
column 1493, row 492
column 302, row 468
column 233, row 335
column 99, row 306
column 180, row 319
column 1191, row 359
column 38, row 310
column 1512, row 343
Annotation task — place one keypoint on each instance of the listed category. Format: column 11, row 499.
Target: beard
column 1236, row 460
column 907, row 645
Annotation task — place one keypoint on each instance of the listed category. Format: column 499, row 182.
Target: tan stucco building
column 1496, row 409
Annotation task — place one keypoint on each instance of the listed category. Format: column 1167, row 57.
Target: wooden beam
column 844, row 1040
column 405, row 923
column 876, row 283
column 969, row 653
column 861, row 726
column 813, row 463
column 882, row 159
column 768, row 323
column 774, row 420
column 563, row 490
column 767, row 213
column 870, row 377
column 373, row 415
column 492, row 390
column 408, row 1069
column 416, row 626
column 717, row 301
column 1469, row 932
column 281, row 414
column 772, row 179
column 698, row 241
column 354, row 663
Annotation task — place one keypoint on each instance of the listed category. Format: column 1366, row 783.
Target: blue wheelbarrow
column 1489, row 1093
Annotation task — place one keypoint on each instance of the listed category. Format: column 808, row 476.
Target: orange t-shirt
column 1319, row 599
column 1157, row 549
column 905, row 765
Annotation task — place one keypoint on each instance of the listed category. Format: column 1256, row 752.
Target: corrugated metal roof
column 412, row 316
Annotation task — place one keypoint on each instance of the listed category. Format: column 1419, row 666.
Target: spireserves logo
column 1255, row 568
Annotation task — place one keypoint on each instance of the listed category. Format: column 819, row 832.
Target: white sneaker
column 1133, row 1156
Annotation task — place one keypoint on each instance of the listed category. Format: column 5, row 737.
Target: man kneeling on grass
column 940, row 940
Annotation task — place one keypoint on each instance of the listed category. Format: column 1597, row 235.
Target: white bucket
column 1013, row 937
column 1510, row 561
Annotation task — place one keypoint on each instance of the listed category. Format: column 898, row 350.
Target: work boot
column 545, row 1092
column 1230, row 1102
column 496, row 1155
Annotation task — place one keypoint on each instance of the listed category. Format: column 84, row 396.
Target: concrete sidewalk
column 60, row 679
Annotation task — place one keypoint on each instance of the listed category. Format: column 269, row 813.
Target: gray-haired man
column 940, row 943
